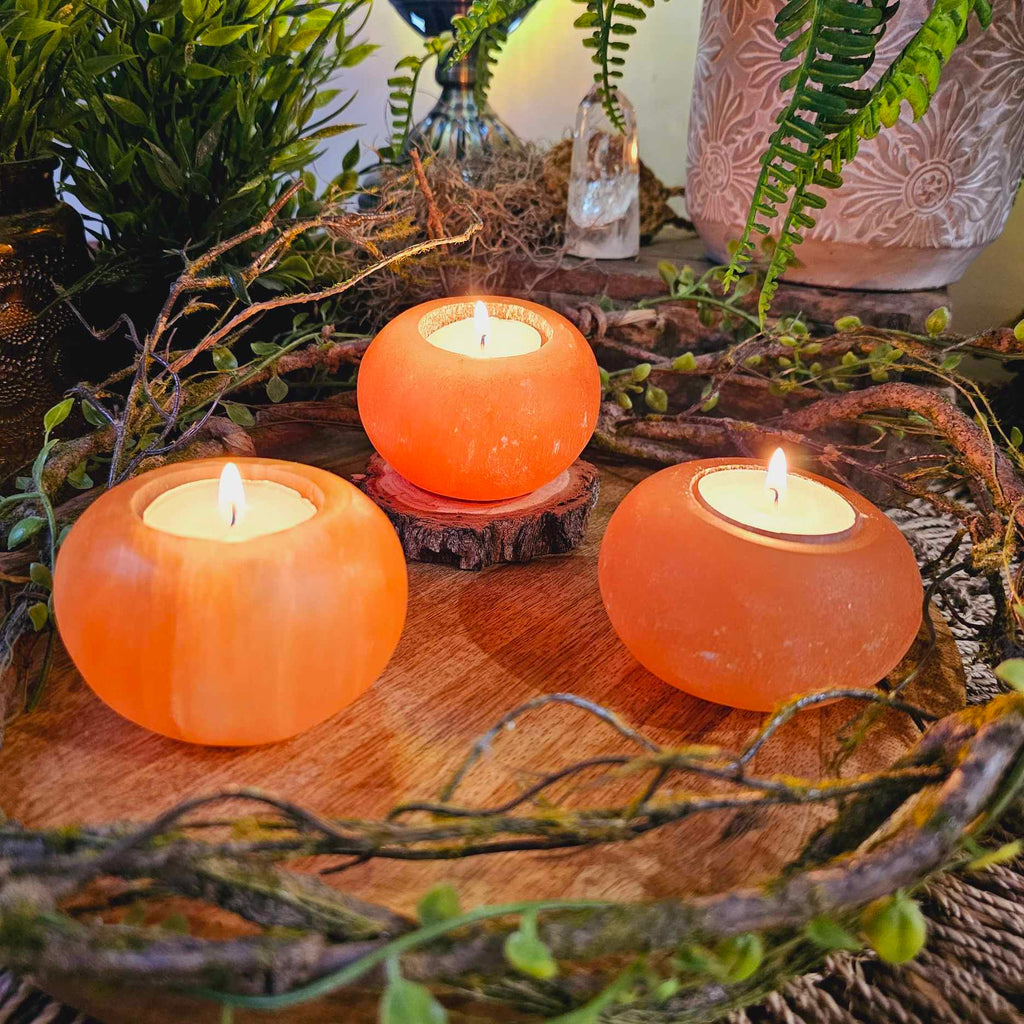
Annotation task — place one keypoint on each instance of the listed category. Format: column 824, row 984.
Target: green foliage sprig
column 403, row 86
column 828, row 115
column 198, row 111
column 38, row 39
column 607, row 21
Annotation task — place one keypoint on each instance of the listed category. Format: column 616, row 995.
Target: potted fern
column 42, row 241
column 926, row 192
column 787, row 95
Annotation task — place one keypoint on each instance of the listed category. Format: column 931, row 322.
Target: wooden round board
column 475, row 534
column 475, row 646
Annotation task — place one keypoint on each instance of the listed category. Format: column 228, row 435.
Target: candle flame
column 481, row 322
column 775, row 478
column 231, row 495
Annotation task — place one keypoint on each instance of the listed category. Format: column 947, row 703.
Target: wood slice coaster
column 475, row 534
column 474, row 647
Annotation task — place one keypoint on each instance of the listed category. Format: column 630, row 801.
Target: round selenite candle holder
column 479, row 421
column 229, row 638
column 822, row 591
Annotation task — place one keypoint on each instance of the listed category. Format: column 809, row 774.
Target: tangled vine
column 888, row 408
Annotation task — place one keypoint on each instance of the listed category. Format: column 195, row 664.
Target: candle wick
column 483, row 341
column 775, row 495
column 234, row 514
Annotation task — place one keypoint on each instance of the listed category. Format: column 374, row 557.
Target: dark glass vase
column 42, row 243
column 456, row 127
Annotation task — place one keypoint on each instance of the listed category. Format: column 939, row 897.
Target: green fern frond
column 827, row 116
column 481, row 18
column 489, row 47
column 403, row 86
column 609, row 21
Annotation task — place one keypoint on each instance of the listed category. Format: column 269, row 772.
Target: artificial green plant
column 198, row 113
column 39, row 39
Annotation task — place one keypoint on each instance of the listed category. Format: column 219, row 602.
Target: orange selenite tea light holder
column 231, row 606
column 745, row 587
column 479, row 399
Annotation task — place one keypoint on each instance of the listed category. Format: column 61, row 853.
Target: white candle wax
column 193, row 510
column 804, row 508
column 502, row 338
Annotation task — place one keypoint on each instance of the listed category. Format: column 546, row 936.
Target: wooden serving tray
column 475, row 646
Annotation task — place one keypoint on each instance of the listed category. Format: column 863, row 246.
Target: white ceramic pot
column 919, row 202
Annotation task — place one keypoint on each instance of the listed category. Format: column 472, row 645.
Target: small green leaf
column 668, row 273
column 92, row 417
column 895, row 928
column 441, row 903
column 1018, row 331
column 624, row 400
column 277, row 389
column 405, row 1002
column 711, row 402
column 952, row 361
column 224, row 359
column 788, row 340
column 1016, row 437
column 197, row 72
column 830, row 935
column 24, row 530
column 57, row 414
column 79, row 478
column 239, row 414
column 238, row 287
column 39, row 615
column 656, row 398
column 937, row 321
column 684, row 363
column 265, row 348
column 126, row 110
column 739, row 956
column 41, row 575
column 846, row 324
column 751, row 361
column 1011, row 672
column 641, row 372
column 525, row 951
column 848, row 359
column 351, row 158
column 224, row 35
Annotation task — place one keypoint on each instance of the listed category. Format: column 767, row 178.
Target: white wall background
column 545, row 72
column 542, row 76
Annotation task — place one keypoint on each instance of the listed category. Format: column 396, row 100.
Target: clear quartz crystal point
column 603, row 216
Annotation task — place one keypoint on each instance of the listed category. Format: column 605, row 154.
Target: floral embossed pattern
column 944, row 183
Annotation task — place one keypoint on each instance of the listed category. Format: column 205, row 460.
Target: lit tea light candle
column 479, row 399
column 227, row 509
column 745, row 585
column 775, row 502
column 231, row 603
column 485, row 337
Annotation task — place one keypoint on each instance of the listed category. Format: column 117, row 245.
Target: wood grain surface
column 475, row 645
